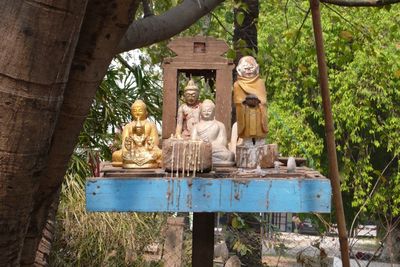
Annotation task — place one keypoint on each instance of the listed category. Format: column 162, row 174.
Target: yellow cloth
column 252, row 122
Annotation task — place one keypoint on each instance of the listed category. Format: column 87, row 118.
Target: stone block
column 252, row 156
column 185, row 156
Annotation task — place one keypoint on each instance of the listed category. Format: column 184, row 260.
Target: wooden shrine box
column 197, row 56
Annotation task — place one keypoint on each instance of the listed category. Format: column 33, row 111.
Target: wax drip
column 172, row 159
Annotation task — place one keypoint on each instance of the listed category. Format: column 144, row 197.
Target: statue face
column 207, row 112
column 247, row 67
column 139, row 112
column 191, row 97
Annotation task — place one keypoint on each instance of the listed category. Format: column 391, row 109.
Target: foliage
column 100, row 239
column 110, row 110
column 244, row 238
column 363, row 60
column 106, row 239
column 364, row 72
column 363, row 57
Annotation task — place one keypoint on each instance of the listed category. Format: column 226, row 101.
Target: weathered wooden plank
column 198, row 60
column 172, row 256
column 187, row 46
column 223, row 101
column 170, row 101
column 195, row 65
column 208, row 195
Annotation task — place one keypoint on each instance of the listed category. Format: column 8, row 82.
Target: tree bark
column 104, row 24
column 43, row 251
column 246, row 30
column 37, row 46
column 154, row 29
column 40, row 121
column 245, row 43
column 360, row 3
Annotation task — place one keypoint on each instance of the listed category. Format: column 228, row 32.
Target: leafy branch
column 361, row 3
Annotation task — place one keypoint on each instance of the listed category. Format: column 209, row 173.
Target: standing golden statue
column 250, row 99
column 139, row 141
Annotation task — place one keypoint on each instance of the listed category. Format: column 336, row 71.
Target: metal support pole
column 203, row 239
column 329, row 131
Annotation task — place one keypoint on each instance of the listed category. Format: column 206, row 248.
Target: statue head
column 247, row 67
column 207, row 110
column 191, row 93
column 139, row 110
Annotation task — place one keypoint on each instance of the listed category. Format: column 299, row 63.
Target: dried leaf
column 346, row 35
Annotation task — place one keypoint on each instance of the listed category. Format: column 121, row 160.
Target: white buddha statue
column 214, row 132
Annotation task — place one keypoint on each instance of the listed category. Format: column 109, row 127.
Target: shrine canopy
column 197, row 56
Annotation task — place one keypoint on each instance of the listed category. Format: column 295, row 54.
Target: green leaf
column 235, row 223
column 231, row 54
column 240, row 18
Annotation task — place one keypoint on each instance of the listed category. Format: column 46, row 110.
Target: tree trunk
column 103, row 27
column 36, row 251
column 245, row 43
column 43, row 251
column 38, row 43
column 391, row 248
column 38, row 135
column 245, row 31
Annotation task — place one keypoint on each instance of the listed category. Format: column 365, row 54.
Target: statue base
column 254, row 155
column 116, row 164
column 224, row 164
column 144, row 166
column 184, row 156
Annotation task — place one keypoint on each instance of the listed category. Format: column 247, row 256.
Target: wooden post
column 203, row 239
column 329, row 131
column 170, row 100
column 223, row 97
column 173, row 242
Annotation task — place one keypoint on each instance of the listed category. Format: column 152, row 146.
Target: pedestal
column 185, row 156
column 252, row 156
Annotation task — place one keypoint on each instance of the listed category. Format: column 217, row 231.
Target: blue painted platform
column 166, row 194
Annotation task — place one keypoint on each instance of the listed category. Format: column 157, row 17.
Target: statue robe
column 214, row 132
column 187, row 118
column 150, row 133
column 252, row 122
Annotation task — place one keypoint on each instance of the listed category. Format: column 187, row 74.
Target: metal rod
column 329, row 131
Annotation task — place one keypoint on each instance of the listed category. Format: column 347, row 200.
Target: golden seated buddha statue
column 139, row 142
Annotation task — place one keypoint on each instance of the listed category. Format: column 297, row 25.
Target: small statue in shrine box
column 182, row 155
column 250, row 98
column 189, row 112
column 139, row 142
column 212, row 131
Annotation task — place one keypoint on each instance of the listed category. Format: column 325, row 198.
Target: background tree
column 60, row 53
column 54, row 56
column 287, row 59
column 363, row 70
column 245, row 28
column 113, row 239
